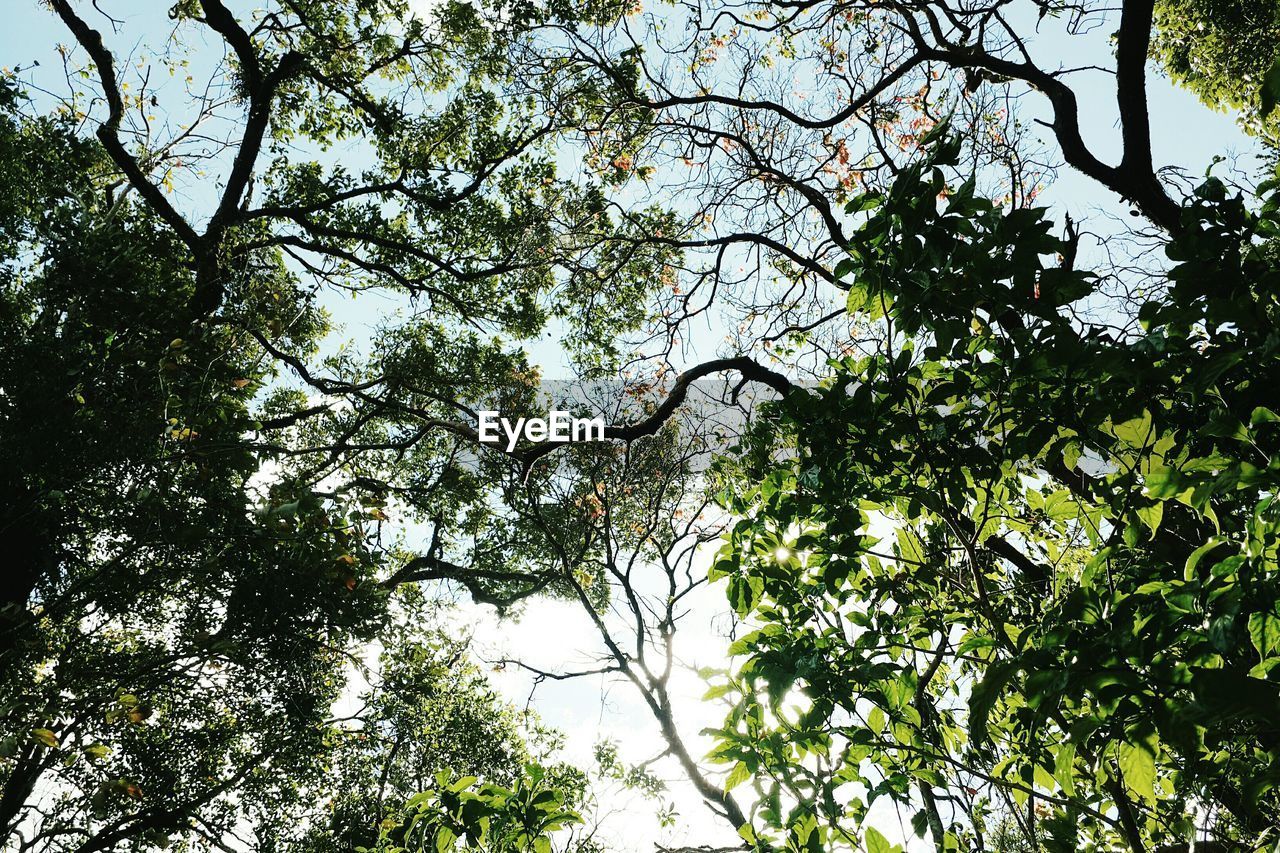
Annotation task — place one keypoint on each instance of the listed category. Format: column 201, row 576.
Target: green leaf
column 1152, row 516
column 920, row 823
column 739, row 774
column 1060, row 506
column 715, row 691
column 1163, row 482
column 1224, row 425
column 1262, row 669
column 1135, row 432
column 1189, row 571
column 975, row 641
column 46, row 737
column 876, row 843
column 1138, row 766
column 1264, row 630
column 1270, row 92
column 1044, row 778
column 858, row 298
column 1263, row 415
column 984, row 696
column 1132, row 530
column 462, row 784
column 1063, row 763
column 723, row 567
column 1071, row 454
column 876, row 720
column 908, row 546
column 744, row 593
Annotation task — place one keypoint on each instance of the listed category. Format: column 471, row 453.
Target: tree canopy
column 984, row 494
column 1017, row 567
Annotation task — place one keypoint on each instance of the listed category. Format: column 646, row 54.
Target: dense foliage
column 188, row 590
column 147, row 670
column 458, row 815
column 1019, row 567
column 1228, row 53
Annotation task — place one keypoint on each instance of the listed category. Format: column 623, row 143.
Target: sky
column 552, row 633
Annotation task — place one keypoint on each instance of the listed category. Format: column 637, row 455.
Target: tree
column 1016, row 563
column 144, row 681
column 199, row 544
column 454, row 211
column 489, row 818
column 428, row 722
column 181, row 609
column 1224, row 52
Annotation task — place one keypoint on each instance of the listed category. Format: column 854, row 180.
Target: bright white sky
column 557, row 635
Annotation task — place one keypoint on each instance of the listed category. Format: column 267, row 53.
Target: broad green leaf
column 876, row 720
column 1063, row 767
column 739, row 774
column 1163, row 482
column 908, row 546
column 1152, row 516
column 1071, row 454
column 46, row 737
column 1138, row 767
column 1264, row 631
column 462, row 783
column 984, row 696
column 1262, row 415
column 1044, row 778
column 877, row 843
column 1135, row 432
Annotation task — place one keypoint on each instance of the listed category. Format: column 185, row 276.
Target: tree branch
column 109, row 131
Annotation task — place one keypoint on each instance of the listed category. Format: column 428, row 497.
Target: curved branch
column 750, row 369
column 1134, row 179
column 795, row 118
column 109, row 131
column 431, row 568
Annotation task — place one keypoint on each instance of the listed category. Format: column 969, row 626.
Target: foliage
column 1225, row 51
column 1016, row 568
column 426, row 711
column 198, row 476
column 465, row 814
column 185, row 594
column 178, row 644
